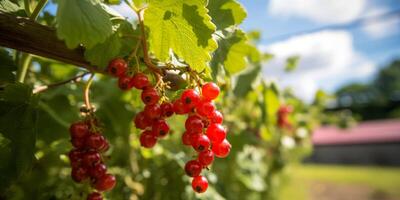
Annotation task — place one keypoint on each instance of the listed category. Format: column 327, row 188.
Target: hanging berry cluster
column 283, row 116
column 204, row 130
column 86, row 157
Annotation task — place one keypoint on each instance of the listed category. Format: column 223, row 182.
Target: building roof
column 381, row 131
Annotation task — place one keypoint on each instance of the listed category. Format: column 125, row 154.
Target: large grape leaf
column 18, row 132
column 226, row 13
column 183, row 26
column 82, row 22
column 233, row 53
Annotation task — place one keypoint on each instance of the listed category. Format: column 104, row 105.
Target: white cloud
column 381, row 27
column 322, row 11
column 327, row 60
column 124, row 10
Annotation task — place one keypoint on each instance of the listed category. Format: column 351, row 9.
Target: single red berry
column 216, row 117
column 106, row 182
column 186, row 139
column 79, row 174
column 222, row 149
column 79, row 130
column 140, row 81
column 205, row 108
column 95, row 141
column 75, row 155
column 150, row 96
column 98, row 170
column 78, row 143
column 152, row 111
column 206, row 158
column 193, row 168
column 105, row 146
column 91, row 158
column 94, row 196
column 216, row 133
column 117, row 67
column 167, row 109
column 148, row 139
column 179, row 107
column 202, row 143
column 190, row 98
column 194, row 124
column 160, row 128
column 210, row 91
column 141, row 121
column 193, row 137
column 124, row 83
column 199, row 184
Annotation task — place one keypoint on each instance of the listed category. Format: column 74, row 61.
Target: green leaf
column 16, row 93
column 291, row 63
column 113, row 1
column 7, row 67
column 102, row 53
column 140, row 3
column 18, row 135
column 271, row 104
column 226, row 13
column 245, row 80
column 8, row 6
column 82, row 22
column 183, row 26
column 233, row 53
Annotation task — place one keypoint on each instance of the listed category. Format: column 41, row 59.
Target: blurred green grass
column 301, row 178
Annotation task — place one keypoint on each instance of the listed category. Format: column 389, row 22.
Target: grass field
column 326, row 182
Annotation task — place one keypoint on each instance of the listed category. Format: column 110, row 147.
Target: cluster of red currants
column 204, row 131
column 283, row 116
column 86, row 159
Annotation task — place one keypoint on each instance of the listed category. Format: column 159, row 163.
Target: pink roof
column 365, row 132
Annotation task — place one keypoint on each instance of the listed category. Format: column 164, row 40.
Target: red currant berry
column 148, row 139
column 91, row 158
column 216, row 117
column 193, row 168
column 152, row 111
column 105, row 146
column 98, row 170
column 206, row 158
column 79, row 174
column 141, row 121
column 284, row 110
column 140, row 81
column 78, row 143
column 202, row 143
column 193, row 137
column 124, row 83
column 160, row 128
column 216, row 133
column 210, row 91
column 194, row 124
column 222, row 149
column 94, row 196
column 117, row 67
column 186, row 139
column 205, row 108
column 95, row 141
column 79, row 129
column 75, row 155
column 190, row 98
column 150, row 96
column 167, row 109
column 179, row 107
column 106, row 182
column 199, row 184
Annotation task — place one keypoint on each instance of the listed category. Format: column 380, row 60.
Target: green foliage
column 14, row 7
column 226, row 13
column 102, row 53
column 18, row 132
column 291, row 63
column 7, row 67
column 183, row 26
column 82, row 22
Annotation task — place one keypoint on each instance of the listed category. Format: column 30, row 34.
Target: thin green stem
column 86, row 92
column 27, row 6
column 37, row 9
column 26, row 62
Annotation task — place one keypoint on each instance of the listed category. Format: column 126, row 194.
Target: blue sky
column 334, row 49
